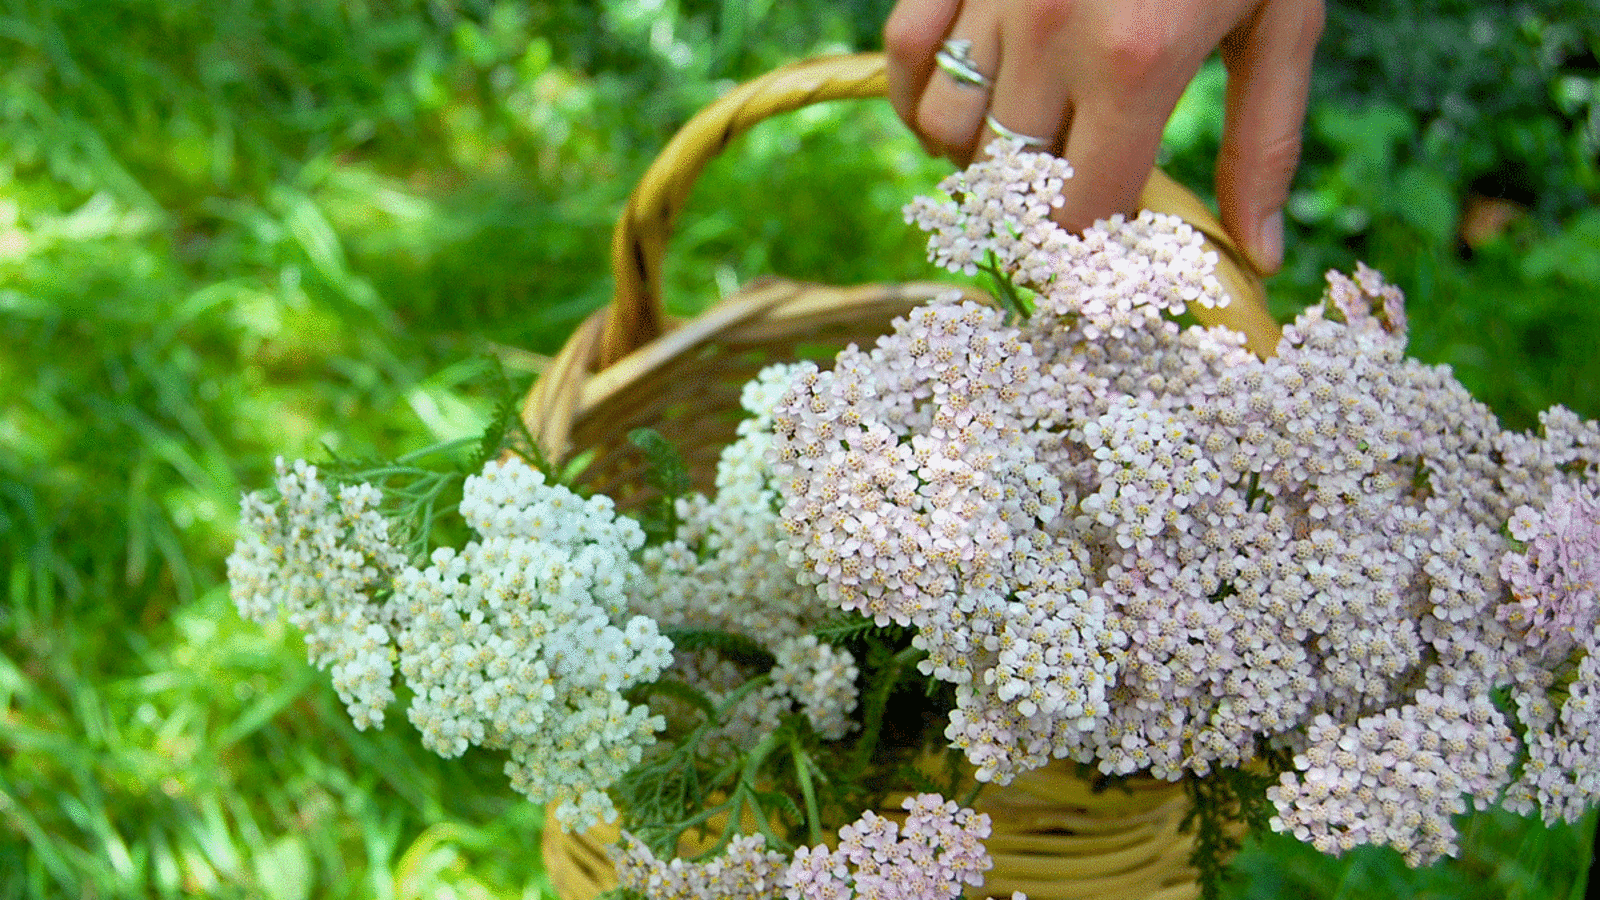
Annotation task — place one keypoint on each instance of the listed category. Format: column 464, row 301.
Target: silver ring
column 1028, row 141
column 955, row 58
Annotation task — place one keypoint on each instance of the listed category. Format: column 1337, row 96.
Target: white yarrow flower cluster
column 324, row 560
column 1142, row 547
column 520, row 641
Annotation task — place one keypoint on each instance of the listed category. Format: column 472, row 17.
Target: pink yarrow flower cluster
column 931, row 856
column 744, row 870
column 1142, row 547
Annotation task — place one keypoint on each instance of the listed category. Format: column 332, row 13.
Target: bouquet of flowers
column 1325, row 590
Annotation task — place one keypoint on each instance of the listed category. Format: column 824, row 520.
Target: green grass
column 242, row 228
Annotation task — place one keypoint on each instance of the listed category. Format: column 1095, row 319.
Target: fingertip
column 1076, row 215
column 1111, row 159
column 1265, row 249
column 1269, row 63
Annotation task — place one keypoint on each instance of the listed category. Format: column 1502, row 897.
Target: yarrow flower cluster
column 1144, row 548
column 1555, row 581
column 522, row 640
column 519, row 641
column 937, row 851
column 526, row 639
column 998, row 214
column 323, row 559
column 932, row 856
column 1552, row 583
column 744, row 870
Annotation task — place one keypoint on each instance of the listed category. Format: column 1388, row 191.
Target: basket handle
column 639, row 241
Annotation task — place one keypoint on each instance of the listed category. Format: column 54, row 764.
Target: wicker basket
column 627, row 367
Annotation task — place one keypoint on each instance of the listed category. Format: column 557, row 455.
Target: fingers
column 951, row 110
column 1096, row 80
column 1106, row 76
column 1269, row 58
column 1112, row 151
column 1026, row 101
column 911, row 36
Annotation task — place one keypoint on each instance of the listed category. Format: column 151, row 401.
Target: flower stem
column 1005, row 289
column 802, row 770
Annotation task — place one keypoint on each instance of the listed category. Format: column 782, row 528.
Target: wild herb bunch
column 1324, row 589
column 519, row 641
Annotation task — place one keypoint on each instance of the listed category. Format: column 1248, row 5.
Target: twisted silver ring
column 955, row 58
column 1028, row 142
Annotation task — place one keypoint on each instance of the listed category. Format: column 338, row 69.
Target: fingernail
column 1266, row 251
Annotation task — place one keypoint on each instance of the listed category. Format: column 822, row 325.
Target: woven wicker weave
column 628, row 367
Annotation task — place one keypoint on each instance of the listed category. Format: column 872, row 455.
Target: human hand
column 1097, row 80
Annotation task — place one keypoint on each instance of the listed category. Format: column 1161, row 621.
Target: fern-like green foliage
column 668, row 476
column 422, row 489
column 845, row 628
column 1013, row 299
column 791, row 785
column 506, row 431
column 685, row 785
column 1219, row 804
column 735, row 647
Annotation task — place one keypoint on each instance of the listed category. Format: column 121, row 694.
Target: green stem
column 744, row 690
column 758, row 756
column 802, row 769
column 876, row 702
column 744, row 796
column 399, row 468
column 1005, row 289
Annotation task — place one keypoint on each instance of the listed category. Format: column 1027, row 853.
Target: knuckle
column 908, row 39
column 1264, row 168
column 1137, row 53
column 943, row 132
column 1278, row 166
column 1044, row 20
column 1280, row 156
column 1297, row 23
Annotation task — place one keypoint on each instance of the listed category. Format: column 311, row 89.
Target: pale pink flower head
column 1367, row 298
column 937, row 851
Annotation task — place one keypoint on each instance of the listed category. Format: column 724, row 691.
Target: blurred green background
column 233, row 229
